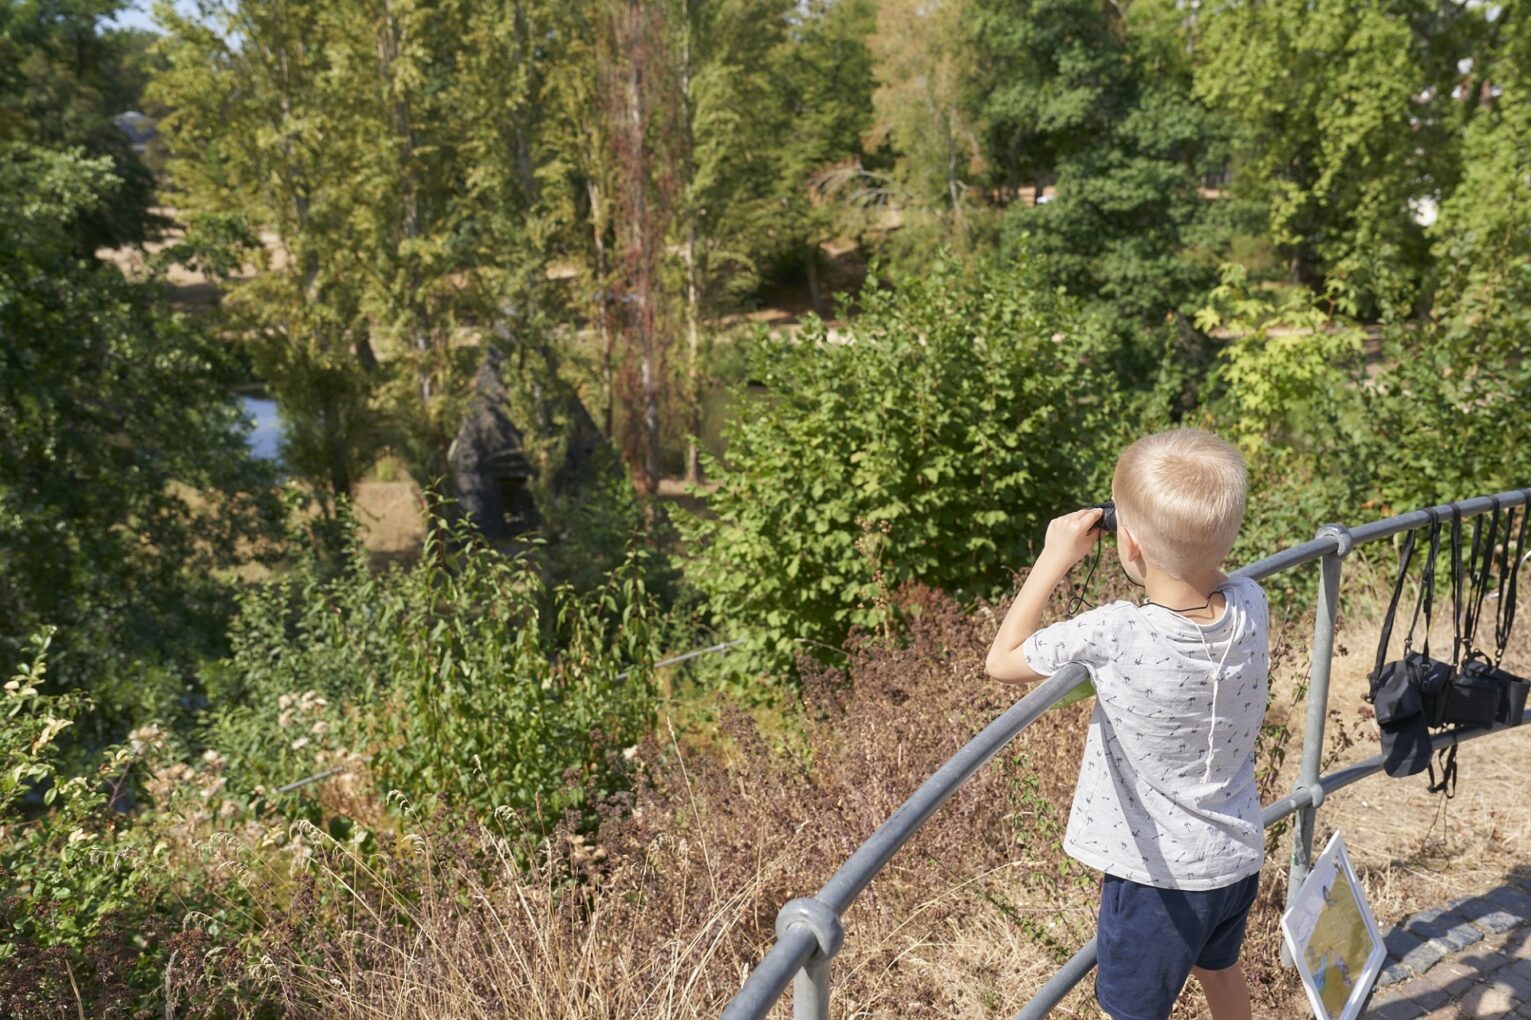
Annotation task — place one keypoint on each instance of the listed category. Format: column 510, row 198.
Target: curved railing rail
column 809, row 931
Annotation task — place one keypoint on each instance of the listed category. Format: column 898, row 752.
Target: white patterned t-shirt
column 1166, row 793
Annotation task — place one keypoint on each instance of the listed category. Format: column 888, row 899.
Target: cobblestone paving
column 1469, row 958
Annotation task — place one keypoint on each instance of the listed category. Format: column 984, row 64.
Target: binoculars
column 1108, row 518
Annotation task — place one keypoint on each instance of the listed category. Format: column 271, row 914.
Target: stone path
column 1469, row 958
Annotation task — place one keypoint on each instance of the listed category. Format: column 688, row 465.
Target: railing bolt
column 825, row 924
column 1341, row 535
column 1315, row 792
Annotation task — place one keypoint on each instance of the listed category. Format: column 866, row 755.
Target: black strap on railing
column 1458, row 603
column 1480, row 569
column 1405, row 557
column 1509, row 564
column 1426, row 600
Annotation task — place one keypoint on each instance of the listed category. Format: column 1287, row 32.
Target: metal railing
column 809, row 931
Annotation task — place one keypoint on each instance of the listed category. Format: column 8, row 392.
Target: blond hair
column 1181, row 494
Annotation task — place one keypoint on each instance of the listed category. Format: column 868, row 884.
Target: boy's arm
column 1069, row 539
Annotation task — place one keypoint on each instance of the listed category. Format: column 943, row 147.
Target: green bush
column 465, row 676
column 71, row 867
column 1437, row 416
column 1289, row 388
column 962, row 411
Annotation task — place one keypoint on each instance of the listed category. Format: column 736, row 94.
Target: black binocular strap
column 1427, row 589
column 1458, row 603
column 1509, row 567
column 1480, row 564
column 1405, row 557
column 1447, row 757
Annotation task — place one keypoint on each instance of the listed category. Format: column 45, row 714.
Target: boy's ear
column 1129, row 551
column 1129, row 545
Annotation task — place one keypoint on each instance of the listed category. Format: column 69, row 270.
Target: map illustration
column 1334, row 937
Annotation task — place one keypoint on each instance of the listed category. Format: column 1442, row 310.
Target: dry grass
column 661, row 913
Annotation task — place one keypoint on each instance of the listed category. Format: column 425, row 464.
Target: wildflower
column 146, row 737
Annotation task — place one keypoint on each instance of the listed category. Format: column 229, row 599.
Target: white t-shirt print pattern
column 1166, row 793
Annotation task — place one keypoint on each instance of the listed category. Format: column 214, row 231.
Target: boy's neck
column 1181, row 593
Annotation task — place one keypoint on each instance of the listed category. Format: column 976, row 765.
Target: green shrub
column 71, row 867
column 963, row 410
column 1288, row 387
column 465, row 676
column 1438, row 415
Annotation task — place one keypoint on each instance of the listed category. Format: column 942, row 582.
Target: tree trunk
column 603, row 304
column 693, row 343
column 811, row 262
column 689, row 256
column 643, row 296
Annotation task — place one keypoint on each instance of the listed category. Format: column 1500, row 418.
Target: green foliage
column 1078, row 96
column 1289, row 388
column 1328, row 428
column 1463, row 371
column 1468, row 379
column 125, row 484
column 1345, row 115
column 67, row 869
column 63, row 76
column 1482, row 241
column 464, row 676
column 921, row 56
column 930, row 443
column 824, row 74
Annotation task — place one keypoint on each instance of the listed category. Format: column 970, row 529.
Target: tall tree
column 390, row 149
column 257, row 164
column 731, row 120
column 639, row 89
column 1482, row 241
column 921, row 59
column 125, row 484
column 825, row 75
column 1345, row 120
column 64, row 74
column 1095, row 101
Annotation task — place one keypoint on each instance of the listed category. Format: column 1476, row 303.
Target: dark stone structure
column 492, row 474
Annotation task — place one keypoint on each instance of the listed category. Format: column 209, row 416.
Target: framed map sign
column 1333, row 936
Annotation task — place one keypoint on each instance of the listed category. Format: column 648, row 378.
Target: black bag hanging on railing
column 1468, row 697
column 1416, row 693
column 1395, row 692
column 1476, row 663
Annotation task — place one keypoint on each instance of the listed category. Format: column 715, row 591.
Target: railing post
column 1318, row 708
column 810, row 991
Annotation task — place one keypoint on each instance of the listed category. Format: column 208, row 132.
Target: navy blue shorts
column 1149, row 939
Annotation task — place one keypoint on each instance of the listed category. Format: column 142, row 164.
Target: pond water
column 265, row 426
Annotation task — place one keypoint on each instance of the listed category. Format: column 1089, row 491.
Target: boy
column 1166, row 804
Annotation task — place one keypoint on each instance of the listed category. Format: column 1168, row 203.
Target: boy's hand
column 1070, row 537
